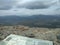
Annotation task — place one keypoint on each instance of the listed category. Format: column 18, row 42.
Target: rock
column 30, row 35
column 58, row 38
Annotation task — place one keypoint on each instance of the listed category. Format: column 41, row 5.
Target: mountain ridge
column 33, row 21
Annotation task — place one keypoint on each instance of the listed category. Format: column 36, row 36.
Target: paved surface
column 20, row 40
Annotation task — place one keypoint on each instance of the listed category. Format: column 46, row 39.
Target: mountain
column 32, row 21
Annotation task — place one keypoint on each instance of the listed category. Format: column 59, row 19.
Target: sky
column 29, row 7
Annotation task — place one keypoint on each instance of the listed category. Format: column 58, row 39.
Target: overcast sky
column 29, row 7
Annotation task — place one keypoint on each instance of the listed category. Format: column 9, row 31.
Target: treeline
column 45, row 25
column 48, row 25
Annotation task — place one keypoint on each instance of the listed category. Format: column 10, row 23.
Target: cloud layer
column 7, row 4
column 29, row 7
column 34, row 5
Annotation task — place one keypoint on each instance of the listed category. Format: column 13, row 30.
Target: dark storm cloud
column 34, row 5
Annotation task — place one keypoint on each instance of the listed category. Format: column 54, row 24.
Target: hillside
column 45, row 21
column 38, row 33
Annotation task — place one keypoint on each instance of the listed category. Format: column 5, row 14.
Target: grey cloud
column 6, row 4
column 34, row 5
column 25, row 7
column 5, row 7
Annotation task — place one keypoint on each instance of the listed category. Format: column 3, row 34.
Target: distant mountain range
column 50, row 21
